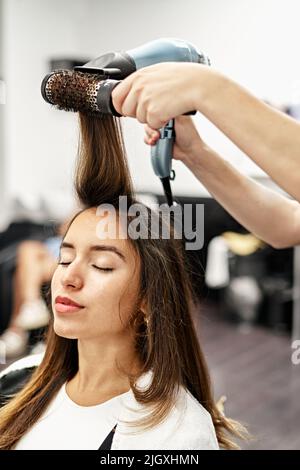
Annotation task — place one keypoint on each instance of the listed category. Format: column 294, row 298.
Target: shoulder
column 188, row 426
column 14, row 377
column 197, row 423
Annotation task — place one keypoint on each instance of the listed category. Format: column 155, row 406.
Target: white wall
column 2, row 101
column 253, row 41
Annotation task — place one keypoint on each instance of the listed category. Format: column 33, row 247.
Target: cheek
column 105, row 289
column 115, row 294
column 54, row 283
column 128, row 297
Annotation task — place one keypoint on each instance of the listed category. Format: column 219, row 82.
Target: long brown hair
column 166, row 340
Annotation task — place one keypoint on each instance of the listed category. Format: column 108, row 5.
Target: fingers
column 126, row 97
column 120, row 93
column 152, row 135
column 130, row 98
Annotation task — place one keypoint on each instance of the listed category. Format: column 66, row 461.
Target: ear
column 143, row 306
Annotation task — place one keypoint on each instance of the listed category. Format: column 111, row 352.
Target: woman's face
column 101, row 275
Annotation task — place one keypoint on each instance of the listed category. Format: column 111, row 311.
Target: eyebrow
column 111, row 248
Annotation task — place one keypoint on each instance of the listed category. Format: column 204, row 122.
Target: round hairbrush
column 77, row 91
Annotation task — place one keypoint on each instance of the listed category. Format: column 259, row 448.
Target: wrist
column 206, row 84
column 199, row 155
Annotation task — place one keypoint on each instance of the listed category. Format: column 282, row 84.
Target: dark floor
column 254, row 370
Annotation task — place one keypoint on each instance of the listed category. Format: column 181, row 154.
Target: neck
column 98, row 378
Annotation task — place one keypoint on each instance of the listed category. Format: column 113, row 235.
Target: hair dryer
column 88, row 89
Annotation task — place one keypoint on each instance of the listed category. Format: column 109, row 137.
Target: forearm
column 270, row 138
column 265, row 213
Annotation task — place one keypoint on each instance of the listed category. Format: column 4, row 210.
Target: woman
column 123, row 368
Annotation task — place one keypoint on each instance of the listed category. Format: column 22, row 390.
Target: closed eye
column 102, row 269
column 94, row 266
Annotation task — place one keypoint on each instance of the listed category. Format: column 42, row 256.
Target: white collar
column 187, row 426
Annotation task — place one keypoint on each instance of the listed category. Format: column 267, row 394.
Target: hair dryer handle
column 162, row 152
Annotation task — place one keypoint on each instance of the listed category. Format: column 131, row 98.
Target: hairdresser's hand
column 160, row 92
column 188, row 143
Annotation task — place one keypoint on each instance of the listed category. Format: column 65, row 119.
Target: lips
column 66, row 301
column 64, row 304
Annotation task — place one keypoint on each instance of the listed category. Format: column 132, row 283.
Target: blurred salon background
column 249, row 315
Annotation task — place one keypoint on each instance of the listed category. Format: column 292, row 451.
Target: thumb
column 121, row 91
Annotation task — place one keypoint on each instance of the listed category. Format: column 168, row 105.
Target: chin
column 67, row 330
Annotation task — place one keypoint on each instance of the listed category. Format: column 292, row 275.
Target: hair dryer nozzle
column 117, row 65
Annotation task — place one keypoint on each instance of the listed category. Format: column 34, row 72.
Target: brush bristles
column 73, row 91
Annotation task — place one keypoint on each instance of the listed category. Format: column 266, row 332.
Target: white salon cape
column 67, row 425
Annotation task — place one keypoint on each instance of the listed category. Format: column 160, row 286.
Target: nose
column 72, row 277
